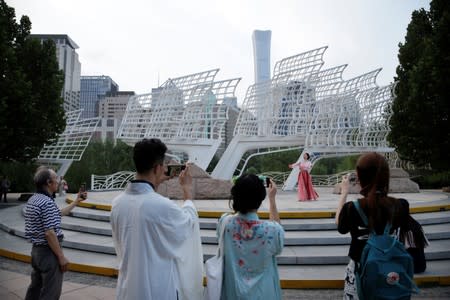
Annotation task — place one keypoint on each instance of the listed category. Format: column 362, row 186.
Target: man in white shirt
column 156, row 240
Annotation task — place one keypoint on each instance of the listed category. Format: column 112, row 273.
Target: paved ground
column 14, row 280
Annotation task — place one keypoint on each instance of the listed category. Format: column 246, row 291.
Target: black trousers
column 46, row 277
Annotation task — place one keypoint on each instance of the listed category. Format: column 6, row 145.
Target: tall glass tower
column 93, row 89
column 261, row 54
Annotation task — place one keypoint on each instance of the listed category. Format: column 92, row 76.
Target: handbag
column 214, row 269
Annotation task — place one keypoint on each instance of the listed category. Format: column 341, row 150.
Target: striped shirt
column 41, row 214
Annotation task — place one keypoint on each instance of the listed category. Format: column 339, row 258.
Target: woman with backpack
column 380, row 212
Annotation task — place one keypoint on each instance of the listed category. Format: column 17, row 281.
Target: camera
column 265, row 180
column 352, row 177
column 174, row 170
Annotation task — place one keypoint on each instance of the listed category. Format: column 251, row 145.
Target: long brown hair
column 373, row 175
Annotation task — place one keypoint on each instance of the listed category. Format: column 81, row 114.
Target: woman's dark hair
column 247, row 193
column 307, row 154
column 373, row 175
column 148, row 153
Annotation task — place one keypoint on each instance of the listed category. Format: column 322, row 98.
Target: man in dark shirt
column 43, row 228
column 4, row 187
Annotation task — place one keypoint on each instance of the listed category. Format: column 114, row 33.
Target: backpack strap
column 363, row 216
column 360, row 212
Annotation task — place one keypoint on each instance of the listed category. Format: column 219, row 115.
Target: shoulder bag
column 214, row 268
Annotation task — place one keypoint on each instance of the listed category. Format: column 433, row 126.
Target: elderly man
column 43, row 228
column 157, row 241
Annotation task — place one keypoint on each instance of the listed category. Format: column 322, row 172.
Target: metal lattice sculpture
column 117, row 180
column 71, row 144
column 306, row 107
column 188, row 113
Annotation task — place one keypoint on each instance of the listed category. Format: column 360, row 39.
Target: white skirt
column 350, row 291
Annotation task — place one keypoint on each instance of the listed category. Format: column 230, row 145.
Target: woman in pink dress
column 306, row 190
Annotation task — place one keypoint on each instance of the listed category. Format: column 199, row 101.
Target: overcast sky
column 135, row 42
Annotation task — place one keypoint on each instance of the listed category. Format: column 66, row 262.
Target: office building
column 261, row 54
column 69, row 63
column 93, row 89
column 114, row 105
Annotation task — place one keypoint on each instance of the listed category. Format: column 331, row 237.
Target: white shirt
column 154, row 240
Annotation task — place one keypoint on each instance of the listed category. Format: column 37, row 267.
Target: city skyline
column 146, row 42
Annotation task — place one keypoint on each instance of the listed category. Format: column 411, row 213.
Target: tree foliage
column 419, row 125
column 278, row 162
column 100, row 158
column 31, row 106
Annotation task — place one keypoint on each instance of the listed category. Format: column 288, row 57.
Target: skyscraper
column 261, row 54
column 69, row 63
column 261, row 57
column 94, row 88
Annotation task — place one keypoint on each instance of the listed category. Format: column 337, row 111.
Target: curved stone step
column 12, row 221
column 292, row 254
column 211, row 223
column 288, row 224
column 291, row 276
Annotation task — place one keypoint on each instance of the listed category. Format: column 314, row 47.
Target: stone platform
column 314, row 256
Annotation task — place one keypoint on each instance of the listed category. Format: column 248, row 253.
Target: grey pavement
column 15, row 277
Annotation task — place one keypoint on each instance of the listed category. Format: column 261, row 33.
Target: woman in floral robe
column 250, row 244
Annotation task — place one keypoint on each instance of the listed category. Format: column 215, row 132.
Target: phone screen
column 174, row 170
column 267, row 181
column 82, row 190
column 352, row 177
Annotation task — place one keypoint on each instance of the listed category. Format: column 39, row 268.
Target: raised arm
column 273, row 211
column 81, row 196
column 344, row 193
column 291, row 166
column 185, row 180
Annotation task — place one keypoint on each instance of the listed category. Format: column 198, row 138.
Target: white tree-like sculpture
column 188, row 113
column 306, row 107
column 71, row 144
column 117, row 180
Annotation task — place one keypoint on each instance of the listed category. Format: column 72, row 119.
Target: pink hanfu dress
column 306, row 190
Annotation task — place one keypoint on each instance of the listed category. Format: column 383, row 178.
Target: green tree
column 100, row 158
column 419, row 125
column 31, row 106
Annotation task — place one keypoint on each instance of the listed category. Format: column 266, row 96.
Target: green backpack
column 386, row 269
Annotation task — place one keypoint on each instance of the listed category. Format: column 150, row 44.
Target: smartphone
column 352, row 177
column 82, row 190
column 265, row 180
column 174, row 170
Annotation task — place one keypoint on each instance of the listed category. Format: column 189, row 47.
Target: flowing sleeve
column 190, row 261
column 177, row 224
column 276, row 237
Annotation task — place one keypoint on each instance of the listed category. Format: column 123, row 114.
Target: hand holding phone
column 82, row 191
column 174, row 170
column 265, row 180
column 352, row 177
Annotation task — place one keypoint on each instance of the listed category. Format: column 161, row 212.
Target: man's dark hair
column 248, row 193
column 147, row 154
